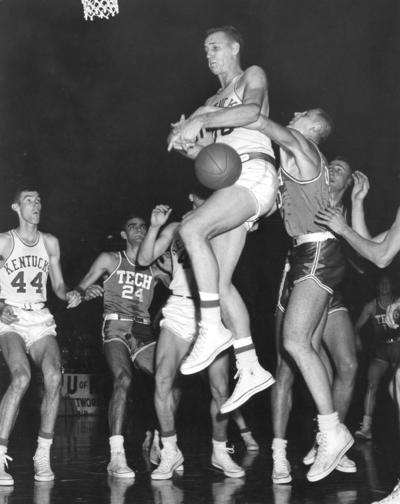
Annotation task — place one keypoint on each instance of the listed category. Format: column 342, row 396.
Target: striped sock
column 245, row 351
column 209, row 307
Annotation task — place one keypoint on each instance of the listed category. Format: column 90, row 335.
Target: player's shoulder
column 254, row 71
column 109, row 258
column 49, row 239
column 5, row 243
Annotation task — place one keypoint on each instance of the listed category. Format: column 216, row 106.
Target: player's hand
column 160, row 215
column 333, row 219
column 93, row 291
column 360, row 188
column 393, row 315
column 7, row 315
column 73, row 298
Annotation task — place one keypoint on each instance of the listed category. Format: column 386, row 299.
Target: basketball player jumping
column 27, row 258
column 338, row 339
column 240, row 100
column 127, row 334
column 380, row 250
column 178, row 330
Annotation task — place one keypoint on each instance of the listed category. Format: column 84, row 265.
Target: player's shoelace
column 167, row 456
column 322, row 442
column 42, row 461
column 280, row 462
column 4, row 460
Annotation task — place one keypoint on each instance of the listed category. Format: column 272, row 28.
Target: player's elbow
column 382, row 261
column 254, row 112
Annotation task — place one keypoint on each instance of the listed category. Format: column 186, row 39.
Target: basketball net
column 99, row 8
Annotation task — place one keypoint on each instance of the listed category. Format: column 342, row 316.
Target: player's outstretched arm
column 380, row 253
column 105, row 263
column 156, row 243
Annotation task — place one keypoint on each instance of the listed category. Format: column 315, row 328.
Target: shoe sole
column 237, row 474
column 246, row 396
column 165, row 476
column 340, row 468
column 281, row 481
column 43, row 478
column 203, row 365
column 121, row 475
column 346, row 469
column 333, row 466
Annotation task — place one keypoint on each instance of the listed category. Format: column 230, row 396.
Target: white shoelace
column 167, row 457
column 4, row 460
column 281, row 464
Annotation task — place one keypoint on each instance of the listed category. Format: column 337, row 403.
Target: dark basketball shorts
column 335, row 303
column 321, row 261
column 388, row 352
column 137, row 337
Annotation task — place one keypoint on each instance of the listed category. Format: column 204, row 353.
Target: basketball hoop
column 102, row 9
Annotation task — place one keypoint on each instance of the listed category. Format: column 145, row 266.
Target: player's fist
column 360, row 188
column 73, row 298
column 160, row 215
column 393, row 315
column 93, row 291
column 7, row 315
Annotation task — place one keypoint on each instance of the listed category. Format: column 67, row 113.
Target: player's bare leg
column 376, row 371
column 218, row 373
column 224, row 210
column 45, row 354
column 14, row 353
column 245, row 432
column 252, row 378
column 171, row 349
column 338, row 337
column 119, row 363
column 307, row 305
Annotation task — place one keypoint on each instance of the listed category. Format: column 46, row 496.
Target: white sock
column 170, row 442
column 328, row 422
column 245, row 352
column 279, row 444
column 116, row 443
column 44, row 443
column 219, row 445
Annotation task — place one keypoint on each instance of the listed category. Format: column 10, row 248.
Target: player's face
column 303, row 121
column 385, row 287
column 135, row 230
column 340, row 176
column 29, row 207
column 221, row 51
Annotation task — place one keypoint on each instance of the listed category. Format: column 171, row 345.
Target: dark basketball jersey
column 384, row 331
column 299, row 201
column 129, row 289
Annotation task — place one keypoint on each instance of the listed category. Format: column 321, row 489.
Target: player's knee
column 347, row 369
column 190, row 233
column 122, row 381
column 164, row 381
column 52, row 378
column 20, row 380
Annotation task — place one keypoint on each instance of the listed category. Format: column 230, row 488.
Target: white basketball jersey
column 183, row 282
column 23, row 276
column 243, row 140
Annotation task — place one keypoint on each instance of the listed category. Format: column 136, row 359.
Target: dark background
column 85, row 109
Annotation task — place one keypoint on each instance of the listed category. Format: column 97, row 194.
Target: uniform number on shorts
column 19, row 282
column 128, row 292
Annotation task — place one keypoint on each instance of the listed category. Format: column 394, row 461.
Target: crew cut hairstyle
column 24, row 188
column 330, row 125
column 232, row 32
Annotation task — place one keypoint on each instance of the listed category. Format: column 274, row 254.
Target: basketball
column 217, row 166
